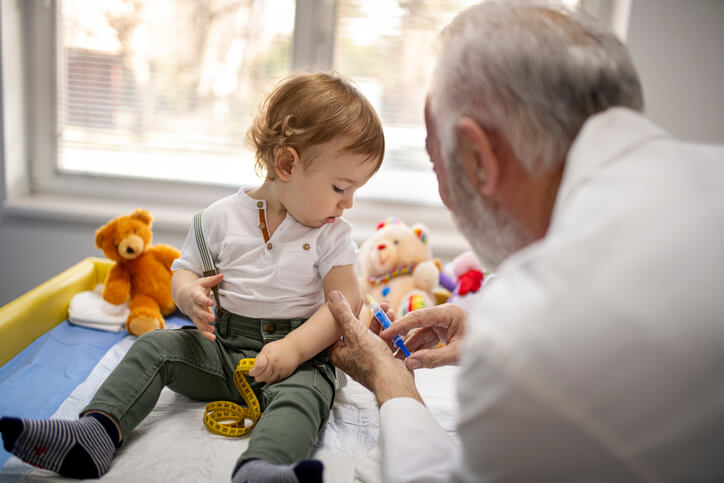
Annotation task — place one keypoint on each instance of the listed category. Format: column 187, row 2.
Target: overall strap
column 206, row 260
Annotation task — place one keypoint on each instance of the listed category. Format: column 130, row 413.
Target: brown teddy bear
column 397, row 266
column 142, row 272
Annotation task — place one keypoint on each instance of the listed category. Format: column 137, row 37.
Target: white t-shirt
column 279, row 278
column 598, row 354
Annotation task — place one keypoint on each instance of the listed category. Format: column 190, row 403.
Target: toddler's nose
column 346, row 202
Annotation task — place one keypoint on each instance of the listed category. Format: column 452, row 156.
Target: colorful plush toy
column 397, row 266
column 142, row 273
column 464, row 276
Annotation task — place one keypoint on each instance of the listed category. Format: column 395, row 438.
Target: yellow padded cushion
column 34, row 313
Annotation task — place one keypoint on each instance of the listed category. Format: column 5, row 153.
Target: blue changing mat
column 37, row 380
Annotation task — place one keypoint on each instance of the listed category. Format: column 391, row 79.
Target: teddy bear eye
column 396, row 242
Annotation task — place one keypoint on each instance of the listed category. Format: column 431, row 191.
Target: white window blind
column 167, row 88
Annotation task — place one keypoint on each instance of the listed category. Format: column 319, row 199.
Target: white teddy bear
column 397, row 266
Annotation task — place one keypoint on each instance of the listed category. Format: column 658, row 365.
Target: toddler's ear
column 285, row 159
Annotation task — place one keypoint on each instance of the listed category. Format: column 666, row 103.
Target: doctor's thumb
column 342, row 312
column 340, row 308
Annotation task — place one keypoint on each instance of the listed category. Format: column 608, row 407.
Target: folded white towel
column 88, row 309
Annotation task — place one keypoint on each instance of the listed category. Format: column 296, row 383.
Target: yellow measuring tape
column 227, row 418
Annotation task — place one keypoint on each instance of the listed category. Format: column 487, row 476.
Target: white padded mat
column 172, row 444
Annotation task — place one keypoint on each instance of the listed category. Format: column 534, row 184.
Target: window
column 116, row 103
column 166, row 89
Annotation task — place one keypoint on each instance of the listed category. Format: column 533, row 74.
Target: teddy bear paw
column 141, row 324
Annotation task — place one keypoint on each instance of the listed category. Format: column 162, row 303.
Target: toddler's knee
column 155, row 344
column 152, row 337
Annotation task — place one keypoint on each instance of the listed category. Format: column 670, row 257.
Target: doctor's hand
column 427, row 327
column 367, row 358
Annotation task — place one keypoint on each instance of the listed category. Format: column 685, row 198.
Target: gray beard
column 492, row 233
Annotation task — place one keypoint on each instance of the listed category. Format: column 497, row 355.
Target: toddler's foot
column 260, row 471
column 78, row 449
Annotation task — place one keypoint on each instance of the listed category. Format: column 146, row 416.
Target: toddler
column 279, row 248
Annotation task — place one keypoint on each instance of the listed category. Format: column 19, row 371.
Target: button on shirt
column 598, row 353
column 280, row 278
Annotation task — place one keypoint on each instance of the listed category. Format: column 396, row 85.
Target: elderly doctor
column 598, row 352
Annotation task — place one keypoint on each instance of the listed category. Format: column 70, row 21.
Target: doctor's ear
column 285, row 160
column 479, row 160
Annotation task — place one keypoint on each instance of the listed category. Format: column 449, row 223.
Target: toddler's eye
column 337, row 190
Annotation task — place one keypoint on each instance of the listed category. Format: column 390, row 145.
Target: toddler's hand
column 276, row 361
column 196, row 303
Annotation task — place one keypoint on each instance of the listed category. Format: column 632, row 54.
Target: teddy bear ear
column 420, row 232
column 391, row 220
column 99, row 236
column 142, row 215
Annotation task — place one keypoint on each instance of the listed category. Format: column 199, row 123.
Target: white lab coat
column 598, row 354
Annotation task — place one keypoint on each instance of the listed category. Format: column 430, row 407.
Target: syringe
column 385, row 321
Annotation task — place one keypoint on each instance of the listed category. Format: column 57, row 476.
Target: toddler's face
column 320, row 193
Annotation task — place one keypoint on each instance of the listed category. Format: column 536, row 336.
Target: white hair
column 533, row 72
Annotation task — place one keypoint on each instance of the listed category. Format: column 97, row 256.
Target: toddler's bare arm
column 279, row 359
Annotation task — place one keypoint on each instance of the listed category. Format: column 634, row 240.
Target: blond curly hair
column 304, row 110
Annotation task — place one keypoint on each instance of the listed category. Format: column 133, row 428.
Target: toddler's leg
column 181, row 359
column 295, row 410
column 77, row 449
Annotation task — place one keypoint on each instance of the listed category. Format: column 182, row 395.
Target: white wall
column 678, row 48
column 33, row 250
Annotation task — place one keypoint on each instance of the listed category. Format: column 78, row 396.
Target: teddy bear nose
column 381, row 246
column 129, row 250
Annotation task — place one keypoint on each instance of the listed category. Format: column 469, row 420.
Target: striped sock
column 77, row 449
column 260, row 471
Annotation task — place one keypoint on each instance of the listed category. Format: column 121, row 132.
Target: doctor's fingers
column 385, row 305
column 447, row 355
column 421, row 339
column 446, row 316
column 376, row 328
